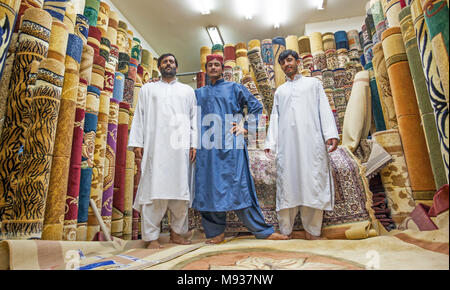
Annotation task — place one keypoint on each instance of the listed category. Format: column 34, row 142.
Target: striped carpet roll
column 96, row 192
column 120, row 167
column 395, row 176
column 377, row 110
column 384, row 87
column 353, row 40
column 113, row 60
column 128, row 199
column 32, row 45
column 58, row 41
column 109, row 162
column 56, row 8
column 408, row 116
column 304, row 45
column 332, row 60
column 292, row 43
column 341, row 40
column 70, row 17
column 423, row 98
column 24, row 5
column 59, row 176
column 73, row 187
column 437, row 16
column 391, row 9
column 91, row 11
column 103, row 18
column 217, row 49
column 229, row 52
column 98, row 72
column 381, row 27
column 432, row 77
column 9, row 10
column 87, row 160
column 308, row 63
column 278, row 46
column 109, row 80
column 87, row 62
column 94, row 38
column 262, row 78
column 113, row 24
column 328, row 41
column 242, row 61
column 34, row 172
column 132, row 69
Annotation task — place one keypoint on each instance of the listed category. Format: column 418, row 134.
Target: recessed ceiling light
column 320, row 5
column 205, row 7
column 214, row 34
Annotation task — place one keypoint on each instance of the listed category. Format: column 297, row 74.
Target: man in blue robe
column 223, row 181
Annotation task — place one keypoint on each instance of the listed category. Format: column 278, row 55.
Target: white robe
column 165, row 125
column 301, row 122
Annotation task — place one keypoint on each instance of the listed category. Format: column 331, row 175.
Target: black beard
column 168, row 74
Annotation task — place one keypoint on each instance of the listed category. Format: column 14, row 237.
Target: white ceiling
column 177, row 26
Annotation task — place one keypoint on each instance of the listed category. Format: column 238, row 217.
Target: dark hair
column 287, row 53
column 160, row 59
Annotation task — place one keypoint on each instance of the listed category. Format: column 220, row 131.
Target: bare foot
column 154, row 245
column 308, row 236
column 298, row 235
column 217, row 240
column 277, row 236
column 177, row 239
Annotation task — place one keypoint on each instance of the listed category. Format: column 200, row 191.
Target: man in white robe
column 164, row 134
column 301, row 128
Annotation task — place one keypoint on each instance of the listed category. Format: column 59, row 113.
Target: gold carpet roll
column 111, row 32
column 304, row 45
column 253, row 44
column 128, row 200
column 242, row 61
column 58, row 41
column 103, row 18
column 384, row 87
column 204, row 52
column 122, row 37
column 70, row 17
column 328, row 41
column 87, row 61
column 408, row 115
column 316, row 42
column 292, row 43
column 395, row 177
column 147, row 59
column 59, row 175
column 99, row 163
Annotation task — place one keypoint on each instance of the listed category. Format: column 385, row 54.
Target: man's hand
column 268, row 153
column 138, row 152
column 333, row 144
column 237, row 129
column 192, row 154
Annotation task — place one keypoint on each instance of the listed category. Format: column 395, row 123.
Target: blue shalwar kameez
column 223, row 181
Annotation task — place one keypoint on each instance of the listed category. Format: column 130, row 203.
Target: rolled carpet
column 70, row 17
column 94, row 38
column 377, row 111
column 242, row 61
column 204, row 51
column 136, row 49
column 136, row 215
column 217, row 49
column 423, row 98
column 384, row 87
column 268, row 60
column 340, row 102
column 87, row 161
column 91, row 11
column 292, row 43
column 56, row 8
column 341, row 40
column 110, row 160
column 320, row 61
column 103, row 18
column 87, row 62
column 9, row 10
column 96, row 192
column 32, row 45
column 98, row 72
column 119, row 175
column 395, row 177
column 408, row 116
column 128, row 199
column 353, row 40
column 392, row 9
column 332, row 60
column 432, row 77
column 128, row 91
column 59, row 176
column 328, row 41
column 262, row 78
column 82, row 27
column 34, row 172
column 343, row 57
column 113, row 24
column 279, row 45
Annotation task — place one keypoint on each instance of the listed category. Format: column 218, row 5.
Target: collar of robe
column 297, row 77
column 218, row 82
column 172, row 82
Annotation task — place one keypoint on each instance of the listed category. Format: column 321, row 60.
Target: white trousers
column 311, row 219
column 153, row 213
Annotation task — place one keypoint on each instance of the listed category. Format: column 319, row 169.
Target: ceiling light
column 214, row 35
column 247, row 7
column 277, row 9
column 205, row 7
column 320, row 5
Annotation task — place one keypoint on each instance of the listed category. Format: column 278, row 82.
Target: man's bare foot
column 277, row 236
column 177, row 239
column 217, row 239
column 308, row 236
column 298, row 235
column 154, row 245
